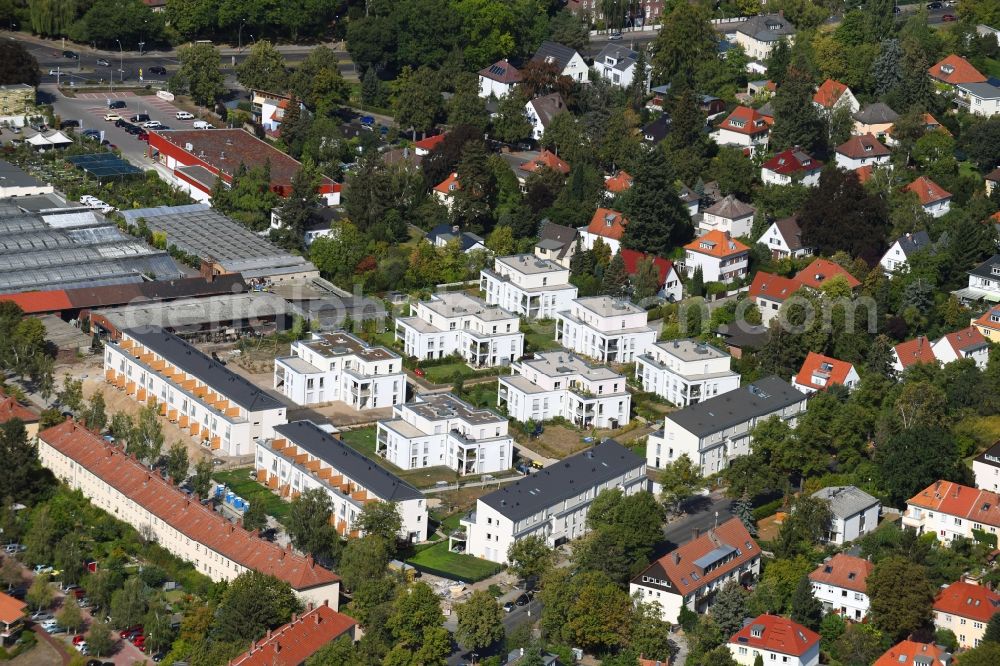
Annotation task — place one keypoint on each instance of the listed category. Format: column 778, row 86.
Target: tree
column 201, row 482
column 887, row 69
column 679, row 479
column 734, row 172
column 381, row 519
column 416, row 613
column 199, row 73
column 300, row 207
column 17, row 65
column 70, row 395
column 100, row 585
column 501, row 241
column 615, row 281
column 253, row 603
column 992, row 632
column 263, row 68
column 159, row 634
column 480, row 621
column 529, row 557
column 417, row 99
column 657, row 220
column 40, row 536
column 511, row 121
column 806, row 608
column 337, row 653
column 650, row 635
column 730, row 608
column 986, row 654
column 466, row 106
column 927, row 454
column 565, row 27
column 255, row 518
column 339, row 254
column 20, row 474
column 309, row 523
column 69, row 616
column 371, row 88
column 121, row 427
column 177, row 462
column 598, row 617
column 95, row 416
column 129, row 605
column 684, row 41
column 796, row 119
column 697, row 285
column 146, row 438
column 840, row 215
column 40, row 595
column 11, row 573
column 99, row 639
column 859, row 645
column 69, row 558
column 743, row 509
column 363, row 559
column 646, row 281
column 319, row 83
column 901, row 596
column 981, row 142
column 804, row 527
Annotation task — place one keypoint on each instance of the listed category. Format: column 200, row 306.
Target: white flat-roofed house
column 854, row 513
column 685, row 372
column 730, row 215
column 441, row 429
column 604, row 328
column 714, row 432
column 559, row 384
column 551, row 503
column 456, row 323
column 219, row 408
column 302, row 456
column 339, row 366
column 986, row 468
column 840, row 583
column 526, row 285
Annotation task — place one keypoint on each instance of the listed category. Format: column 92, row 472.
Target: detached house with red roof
column 840, row 583
column 911, row 352
column 669, row 280
column 446, row 190
column 606, row 224
column 953, row 70
column 834, row 94
column 820, row 271
column 12, row 614
column 793, row 165
column 935, row 200
column 721, row 257
column 912, row 653
column 618, row 183
column 965, row 608
column 989, row 324
column 690, row 575
column 950, row 510
column 498, row 79
column 769, row 292
column 859, row 151
column 965, row 343
column 428, row 145
column 744, row 127
column 293, row 643
column 818, row 372
column 777, row 640
column 12, row 409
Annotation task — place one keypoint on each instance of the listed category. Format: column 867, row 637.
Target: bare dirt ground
column 43, row 654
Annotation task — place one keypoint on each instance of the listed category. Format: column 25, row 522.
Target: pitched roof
column 730, row 208
column 845, row 571
column 976, row 602
column 817, row 273
column 546, row 158
column 993, row 176
column 11, row 609
column 12, row 409
column 876, row 113
column 431, row 142
column 772, row 287
column 607, row 223
column 865, row 173
column 954, row 499
column 449, row 185
column 845, row 501
column 556, row 235
column 818, row 365
column 633, row 257
column 789, row 229
column 905, row 653
column 697, row 563
column 863, row 146
column 829, row 92
column 927, row 191
column 291, row 644
column 657, row 129
column 555, row 52
column 745, row 120
column 776, row 634
column 766, row 27
column 917, row 350
column 955, row 69
column 792, row 161
column 914, row 242
column 188, row 516
column 34, row 302
column 548, row 107
column 502, row 72
column 966, row 340
column 986, row 319
column 717, row 244
column 620, row 182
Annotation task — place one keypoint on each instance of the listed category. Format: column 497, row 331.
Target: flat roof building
column 15, row 182
column 526, row 285
column 608, row 329
column 685, row 372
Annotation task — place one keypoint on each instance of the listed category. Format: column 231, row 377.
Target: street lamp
column 239, row 35
column 121, row 63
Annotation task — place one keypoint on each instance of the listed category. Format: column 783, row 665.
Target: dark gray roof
column 791, row 232
column 876, row 114
column 845, row 501
column 624, row 57
column 13, row 176
column 556, row 236
column 563, row 480
column 983, row 90
column 376, row 479
column 767, row 109
column 985, row 269
column 766, row 27
column 744, row 335
column 764, row 396
column 990, row 456
column 657, row 130
column 554, row 52
column 446, row 232
column 219, row 378
column 548, row 107
column 910, row 243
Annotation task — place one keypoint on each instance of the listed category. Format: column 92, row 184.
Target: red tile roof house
column 912, row 352
column 293, row 643
column 911, row 653
column 446, row 189
column 989, row 324
column 11, row 616
column 198, row 158
column 12, row 409
column 965, row 343
column 117, row 483
column 769, row 292
column 428, row 145
column 743, row 127
column 793, row 165
column 690, row 575
column 777, row 640
column 832, row 94
column 965, row 608
column 859, row 151
column 721, row 257
column 953, row 70
column 935, row 200
column 606, row 224
column 816, row 274
column 671, row 287
column 819, row 372
column 841, row 584
column 620, row 182
column 950, row 510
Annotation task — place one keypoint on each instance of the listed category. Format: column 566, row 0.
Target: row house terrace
column 950, row 510
column 218, row 407
column 302, row 456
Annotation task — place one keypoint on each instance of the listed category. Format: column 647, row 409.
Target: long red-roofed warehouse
column 122, row 486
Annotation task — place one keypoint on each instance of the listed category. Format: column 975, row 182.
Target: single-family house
column 905, row 247
column 793, row 165
column 446, row 190
column 989, row 324
column 834, row 94
column 876, row 118
column 953, row 70
column 984, row 282
column 446, row 233
column 617, row 184
column 965, row 608
column 853, row 513
column 669, row 281
column 912, row 352
column 986, row 469
column 745, row 128
column 721, row 257
column 758, row 34
column 840, row 583
column 556, row 242
column 980, row 99
column 541, row 110
column 968, row 342
column 617, row 64
column 819, row 372
column 769, row 292
column 606, row 224
column 567, row 61
column 934, row 199
column 817, row 273
column 294, row 643
column 11, row 409
column 12, row 614
column 950, row 510
column 761, row 88
column 912, row 653
column 429, row 144
column 777, row 640
column 499, row 79
column 657, row 129
column 859, row 151
column 784, row 239
column 730, row 216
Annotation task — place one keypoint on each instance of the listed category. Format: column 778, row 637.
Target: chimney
column 454, row 229
column 268, row 634
column 696, row 532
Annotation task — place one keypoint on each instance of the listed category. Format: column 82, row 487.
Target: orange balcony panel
column 279, row 443
column 120, row 381
column 295, row 494
column 109, row 374
column 262, row 475
column 345, row 488
column 272, row 482
column 360, row 495
column 163, row 409
column 183, row 421
column 326, row 473
column 233, row 412
column 130, row 387
column 127, row 344
column 216, row 443
column 341, row 527
column 301, row 458
column 188, row 384
column 285, row 490
column 201, row 391
column 313, row 466
column 140, row 395
column 159, row 366
column 195, row 429
column 355, row 534
column 171, row 414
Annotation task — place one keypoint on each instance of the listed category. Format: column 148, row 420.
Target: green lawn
column 444, row 374
column 386, row 338
column 361, row 439
column 239, row 482
column 465, row 568
column 540, row 338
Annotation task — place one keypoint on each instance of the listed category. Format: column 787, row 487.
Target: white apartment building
column 218, row 407
column 686, row 371
column 339, row 366
column 551, row 503
column 440, row 429
column 840, row 584
column 854, row 513
column 604, row 328
column 119, row 484
column 302, row 456
column 528, row 286
column 558, row 383
column 714, row 432
column 456, row 323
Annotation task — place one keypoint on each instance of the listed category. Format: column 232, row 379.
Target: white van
column 202, row 124
column 184, row 115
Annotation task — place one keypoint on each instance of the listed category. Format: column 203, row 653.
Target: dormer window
column 868, row 148
column 996, row 270
column 757, row 631
column 737, row 123
column 947, row 69
column 705, row 245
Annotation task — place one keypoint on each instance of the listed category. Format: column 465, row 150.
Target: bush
column 765, row 510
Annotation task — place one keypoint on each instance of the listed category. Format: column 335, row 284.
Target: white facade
column 778, row 244
column 986, row 468
column 559, row 384
column 302, row 457
column 981, row 99
column 734, row 226
column 339, row 366
column 685, row 371
column 606, row 329
column 440, row 429
column 968, row 343
column 219, row 409
column 526, row 285
column 808, row 178
column 456, row 323
column 849, row 604
column 851, row 163
column 714, row 268
column 854, row 513
column 547, row 504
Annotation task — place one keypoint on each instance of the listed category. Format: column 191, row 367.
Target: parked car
column 79, row 638
column 508, row 607
column 156, row 69
column 13, row 548
column 41, row 616
column 151, row 124
column 615, row 35
column 42, row 569
column 934, row 5
column 202, row 124
column 140, row 118
column 184, row 115
column 116, row 104
column 142, row 135
column 66, row 124
column 367, row 120
column 71, row 55
column 124, row 633
column 948, row 17
column 103, row 62
column 112, row 116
